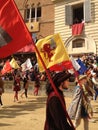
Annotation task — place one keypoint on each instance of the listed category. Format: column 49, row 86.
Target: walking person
column 1, row 89
column 80, row 107
column 95, row 82
column 16, row 86
column 36, row 86
column 25, row 85
column 90, row 92
column 56, row 118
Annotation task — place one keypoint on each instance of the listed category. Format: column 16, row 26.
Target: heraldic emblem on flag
column 14, row 34
column 4, row 37
column 52, row 51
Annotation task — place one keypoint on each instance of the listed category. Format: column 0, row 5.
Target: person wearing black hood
column 56, row 118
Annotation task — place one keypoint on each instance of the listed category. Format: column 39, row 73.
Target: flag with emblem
column 14, row 34
column 52, row 51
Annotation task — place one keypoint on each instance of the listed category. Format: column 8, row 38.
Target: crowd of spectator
column 90, row 61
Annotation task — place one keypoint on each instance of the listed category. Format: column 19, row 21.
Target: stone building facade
column 66, row 12
column 38, row 16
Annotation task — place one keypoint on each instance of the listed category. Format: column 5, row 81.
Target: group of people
column 25, row 79
column 80, row 107
column 21, row 82
column 58, row 117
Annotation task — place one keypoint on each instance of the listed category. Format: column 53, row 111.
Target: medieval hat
column 60, row 77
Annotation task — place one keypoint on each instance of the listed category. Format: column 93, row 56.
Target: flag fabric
column 83, row 67
column 52, row 51
column 27, row 48
column 77, row 28
column 6, row 68
column 14, row 34
column 27, row 65
column 65, row 65
column 14, row 64
column 75, row 63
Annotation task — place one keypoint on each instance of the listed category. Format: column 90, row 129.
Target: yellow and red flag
column 14, row 34
column 52, row 51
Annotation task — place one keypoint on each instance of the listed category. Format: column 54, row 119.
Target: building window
column 38, row 11
column 33, row 14
column 76, row 13
column 78, row 43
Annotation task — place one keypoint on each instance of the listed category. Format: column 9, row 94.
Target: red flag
column 14, row 34
column 27, row 48
column 6, row 68
column 77, row 28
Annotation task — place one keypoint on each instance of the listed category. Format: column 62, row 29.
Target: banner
column 52, row 51
column 27, row 65
column 77, row 28
column 83, row 68
column 27, row 48
column 6, row 68
column 65, row 65
column 14, row 34
column 14, row 64
column 75, row 63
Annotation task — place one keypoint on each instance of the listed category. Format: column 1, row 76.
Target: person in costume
column 80, row 107
column 56, row 118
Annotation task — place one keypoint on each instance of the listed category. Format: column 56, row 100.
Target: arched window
column 77, row 43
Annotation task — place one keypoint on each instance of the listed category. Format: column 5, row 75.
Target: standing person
column 55, row 115
column 89, row 85
column 80, row 107
column 95, row 82
column 25, row 85
column 1, row 89
column 16, row 86
column 36, row 86
column 90, row 92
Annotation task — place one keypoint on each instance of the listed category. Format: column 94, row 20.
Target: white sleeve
column 94, row 81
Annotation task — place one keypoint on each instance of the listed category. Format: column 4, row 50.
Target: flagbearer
column 56, row 118
column 16, row 86
column 25, row 84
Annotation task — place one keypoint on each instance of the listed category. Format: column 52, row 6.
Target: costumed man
column 56, row 118
column 80, row 107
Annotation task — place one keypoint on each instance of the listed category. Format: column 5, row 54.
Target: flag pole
column 53, row 86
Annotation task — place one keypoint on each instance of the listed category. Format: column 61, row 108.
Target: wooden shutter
column 87, row 10
column 68, row 15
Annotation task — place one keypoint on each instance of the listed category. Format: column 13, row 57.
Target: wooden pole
column 53, row 86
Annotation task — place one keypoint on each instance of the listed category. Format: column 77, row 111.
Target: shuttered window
column 78, row 12
column 87, row 10
column 69, row 15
